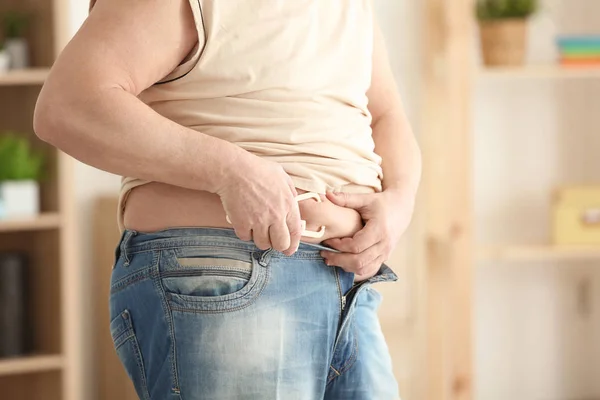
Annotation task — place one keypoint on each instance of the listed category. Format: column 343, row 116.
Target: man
column 219, row 113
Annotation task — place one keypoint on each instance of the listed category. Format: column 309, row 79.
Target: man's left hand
column 386, row 216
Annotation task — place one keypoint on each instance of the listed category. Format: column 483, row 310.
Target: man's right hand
column 259, row 198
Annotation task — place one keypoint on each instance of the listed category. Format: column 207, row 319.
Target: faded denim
column 198, row 314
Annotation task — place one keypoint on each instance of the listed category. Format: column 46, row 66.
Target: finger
column 341, row 244
column 334, row 243
column 361, row 241
column 349, row 200
column 369, row 235
column 295, row 229
column 376, row 264
column 357, row 263
column 279, row 236
column 260, row 235
column 243, row 232
column 372, row 269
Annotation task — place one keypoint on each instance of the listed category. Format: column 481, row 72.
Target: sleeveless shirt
column 285, row 80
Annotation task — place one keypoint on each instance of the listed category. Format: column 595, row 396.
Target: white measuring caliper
column 305, row 233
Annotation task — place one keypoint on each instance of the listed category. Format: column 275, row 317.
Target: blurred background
column 499, row 296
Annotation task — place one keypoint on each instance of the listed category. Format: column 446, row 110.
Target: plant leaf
column 17, row 159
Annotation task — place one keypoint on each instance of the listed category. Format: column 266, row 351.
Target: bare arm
column 89, row 109
column 386, row 214
column 393, row 136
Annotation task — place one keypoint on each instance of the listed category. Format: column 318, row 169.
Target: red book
column 581, row 62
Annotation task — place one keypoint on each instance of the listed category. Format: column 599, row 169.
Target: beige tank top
column 285, row 80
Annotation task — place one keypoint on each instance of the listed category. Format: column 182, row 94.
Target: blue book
column 579, row 42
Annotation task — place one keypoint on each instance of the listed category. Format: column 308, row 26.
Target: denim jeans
column 199, row 314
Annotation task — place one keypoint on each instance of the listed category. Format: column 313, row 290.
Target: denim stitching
column 120, row 341
column 265, row 257
column 339, row 324
column 130, row 279
column 298, row 255
column 340, row 294
column 247, row 291
column 130, row 332
column 350, row 361
column 159, row 244
column 252, row 301
column 140, row 363
column 169, row 317
column 125, row 241
column 350, row 309
column 214, row 301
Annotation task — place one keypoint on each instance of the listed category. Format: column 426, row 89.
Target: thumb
column 349, row 200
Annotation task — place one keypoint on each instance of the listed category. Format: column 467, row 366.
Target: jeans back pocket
column 128, row 350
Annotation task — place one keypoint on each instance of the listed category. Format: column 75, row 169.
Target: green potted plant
column 14, row 25
column 503, row 28
column 20, row 172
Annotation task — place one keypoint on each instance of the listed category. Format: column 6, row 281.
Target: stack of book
column 579, row 51
column 14, row 320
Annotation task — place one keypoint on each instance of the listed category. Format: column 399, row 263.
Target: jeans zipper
column 342, row 298
column 352, row 289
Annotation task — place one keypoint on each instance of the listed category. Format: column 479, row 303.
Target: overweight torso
column 284, row 80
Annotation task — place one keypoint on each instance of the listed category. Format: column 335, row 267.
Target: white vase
column 4, row 61
column 19, row 199
column 18, row 50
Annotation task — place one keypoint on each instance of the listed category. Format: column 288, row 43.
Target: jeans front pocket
column 207, row 276
column 211, row 280
column 128, row 350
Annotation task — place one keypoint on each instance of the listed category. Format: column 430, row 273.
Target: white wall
column 400, row 23
column 536, row 337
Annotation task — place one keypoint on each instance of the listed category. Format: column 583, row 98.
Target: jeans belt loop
column 128, row 236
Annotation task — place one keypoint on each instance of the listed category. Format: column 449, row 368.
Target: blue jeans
column 199, row 314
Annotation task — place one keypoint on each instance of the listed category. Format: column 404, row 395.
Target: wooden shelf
column 23, row 365
column 29, row 76
column 540, row 72
column 54, row 304
column 538, row 253
column 42, row 222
